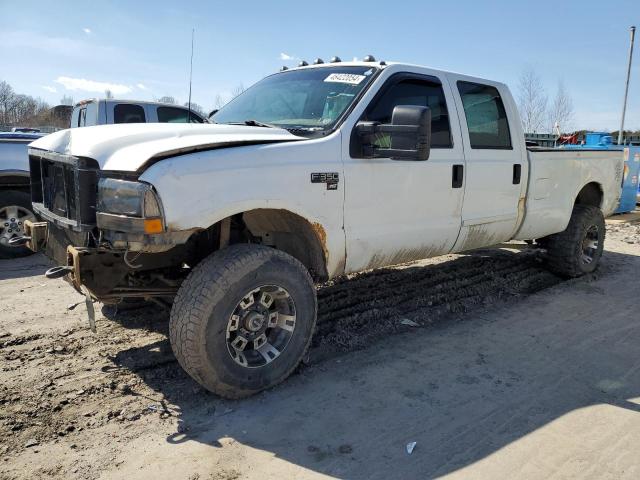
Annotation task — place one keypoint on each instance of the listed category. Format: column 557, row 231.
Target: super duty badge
column 330, row 178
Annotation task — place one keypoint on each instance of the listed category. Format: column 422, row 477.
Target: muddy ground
column 429, row 352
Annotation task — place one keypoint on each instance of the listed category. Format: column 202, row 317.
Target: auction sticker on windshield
column 349, row 78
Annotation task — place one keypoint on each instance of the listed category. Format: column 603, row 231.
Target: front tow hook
column 58, row 272
column 19, row 241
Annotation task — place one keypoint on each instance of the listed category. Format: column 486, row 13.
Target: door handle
column 457, row 176
column 517, row 173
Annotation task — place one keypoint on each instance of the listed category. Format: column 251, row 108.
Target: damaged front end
column 105, row 230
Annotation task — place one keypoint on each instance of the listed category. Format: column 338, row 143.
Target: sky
column 140, row 50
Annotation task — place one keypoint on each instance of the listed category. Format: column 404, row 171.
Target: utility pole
column 626, row 86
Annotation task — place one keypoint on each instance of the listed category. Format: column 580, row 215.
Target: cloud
column 87, row 30
column 49, row 89
column 141, row 86
column 284, row 56
column 92, row 86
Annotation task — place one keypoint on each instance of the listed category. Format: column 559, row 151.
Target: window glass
column 308, row 99
column 486, row 116
column 176, row 115
column 414, row 92
column 75, row 117
column 91, row 114
column 128, row 113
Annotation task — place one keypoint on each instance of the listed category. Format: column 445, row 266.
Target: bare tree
column 196, row 108
column 219, row 102
column 6, row 102
column 167, row 99
column 66, row 100
column 561, row 112
column 21, row 110
column 532, row 101
column 237, row 91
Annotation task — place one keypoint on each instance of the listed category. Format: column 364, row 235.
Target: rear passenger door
column 495, row 167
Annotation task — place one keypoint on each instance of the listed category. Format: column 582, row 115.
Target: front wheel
column 15, row 209
column 577, row 250
column 243, row 319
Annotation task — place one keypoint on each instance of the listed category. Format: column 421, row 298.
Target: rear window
column 128, row 113
column 486, row 117
column 177, row 115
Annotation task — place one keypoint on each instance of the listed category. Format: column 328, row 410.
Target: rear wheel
column 15, row 209
column 243, row 319
column 577, row 250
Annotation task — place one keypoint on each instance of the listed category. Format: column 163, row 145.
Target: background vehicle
column 102, row 112
column 15, row 200
column 309, row 174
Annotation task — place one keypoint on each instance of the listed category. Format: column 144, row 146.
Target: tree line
column 539, row 114
column 17, row 109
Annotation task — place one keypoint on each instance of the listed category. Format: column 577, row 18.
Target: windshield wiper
column 254, row 123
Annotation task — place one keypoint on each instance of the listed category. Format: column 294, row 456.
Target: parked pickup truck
column 107, row 111
column 15, row 199
column 312, row 173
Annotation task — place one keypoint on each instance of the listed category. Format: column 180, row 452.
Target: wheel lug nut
column 13, row 219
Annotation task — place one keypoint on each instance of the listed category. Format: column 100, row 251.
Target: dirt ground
column 493, row 366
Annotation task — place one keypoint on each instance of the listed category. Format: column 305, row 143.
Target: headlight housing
column 128, row 206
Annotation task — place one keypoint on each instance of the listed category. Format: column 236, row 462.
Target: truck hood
column 131, row 147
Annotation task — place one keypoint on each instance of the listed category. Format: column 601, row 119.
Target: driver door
column 397, row 211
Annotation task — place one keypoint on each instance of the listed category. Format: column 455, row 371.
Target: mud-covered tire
column 566, row 250
column 205, row 302
column 22, row 200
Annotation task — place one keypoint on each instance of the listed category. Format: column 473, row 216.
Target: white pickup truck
column 312, row 173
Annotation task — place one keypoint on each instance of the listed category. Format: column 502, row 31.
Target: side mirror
column 409, row 135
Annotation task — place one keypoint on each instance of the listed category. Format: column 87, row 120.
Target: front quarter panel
column 199, row 189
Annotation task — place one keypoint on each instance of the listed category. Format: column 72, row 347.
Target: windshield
column 309, row 99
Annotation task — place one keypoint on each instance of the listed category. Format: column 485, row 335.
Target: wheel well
column 292, row 234
column 276, row 228
column 591, row 194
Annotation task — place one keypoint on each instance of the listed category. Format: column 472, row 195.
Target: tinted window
column 486, row 117
column 128, row 113
column 176, row 115
column 420, row 93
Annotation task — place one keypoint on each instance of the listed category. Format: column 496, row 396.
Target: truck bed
column 556, row 177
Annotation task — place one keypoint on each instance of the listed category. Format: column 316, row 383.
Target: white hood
column 127, row 147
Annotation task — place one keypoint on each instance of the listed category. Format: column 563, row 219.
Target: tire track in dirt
column 356, row 311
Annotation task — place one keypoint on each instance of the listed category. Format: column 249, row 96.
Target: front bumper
column 101, row 272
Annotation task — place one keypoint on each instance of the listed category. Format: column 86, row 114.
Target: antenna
column 191, row 73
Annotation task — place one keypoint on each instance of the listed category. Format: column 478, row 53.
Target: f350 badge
column 330, row 178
